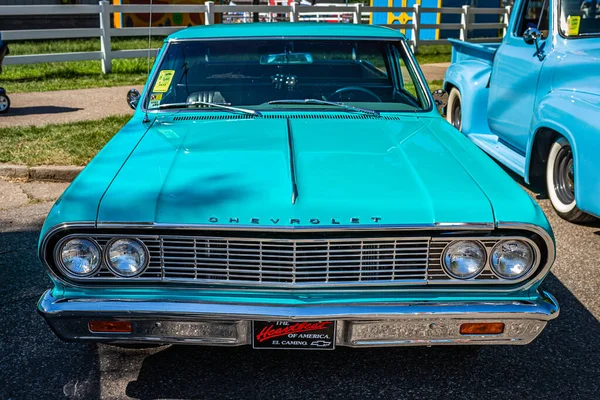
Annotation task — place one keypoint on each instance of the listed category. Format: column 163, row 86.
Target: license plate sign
column 293, row 335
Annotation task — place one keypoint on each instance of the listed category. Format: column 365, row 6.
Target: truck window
column 534, row 15
column 579, row 18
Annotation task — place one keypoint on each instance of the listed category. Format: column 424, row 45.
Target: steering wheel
column 351, row 89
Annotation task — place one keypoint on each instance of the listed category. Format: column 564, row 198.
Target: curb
column 54, row 173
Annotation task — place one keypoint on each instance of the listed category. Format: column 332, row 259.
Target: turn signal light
column 110, row 326
column 482, row 328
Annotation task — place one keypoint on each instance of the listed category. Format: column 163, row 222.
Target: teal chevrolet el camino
column 292, row 186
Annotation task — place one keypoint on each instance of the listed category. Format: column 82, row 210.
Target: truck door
column 515, row 75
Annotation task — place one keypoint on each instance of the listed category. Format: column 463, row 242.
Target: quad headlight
column 126, row 257
column 79, row 256
column 464, row 259
column 512, row 259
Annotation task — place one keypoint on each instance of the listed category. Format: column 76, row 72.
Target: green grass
column 57, row 144
column 126, row 72
column 435, row 53
column 75, row 45
column 436, row 84
column 77, row 74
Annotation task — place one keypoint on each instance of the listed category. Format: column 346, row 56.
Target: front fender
column 574, row 116
column 471, row 78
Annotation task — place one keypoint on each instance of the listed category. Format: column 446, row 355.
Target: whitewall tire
column 560, row 181
column 454, row 109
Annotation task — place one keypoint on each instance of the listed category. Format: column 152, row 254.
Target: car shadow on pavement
column 33, row 362
column 21, row 111
column 561, row 363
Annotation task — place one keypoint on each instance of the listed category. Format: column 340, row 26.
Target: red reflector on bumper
column 482, row 328
column 110, row 326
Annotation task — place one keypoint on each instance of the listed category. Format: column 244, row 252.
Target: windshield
column 579, row 18
column 273, row 74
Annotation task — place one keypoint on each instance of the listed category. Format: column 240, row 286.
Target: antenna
column 149, row 36
column 146, row 119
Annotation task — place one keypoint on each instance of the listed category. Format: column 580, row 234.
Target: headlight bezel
column 534, row 259
column 447, row 269
column 60, row 263
column 108, row 263
column 488, row 274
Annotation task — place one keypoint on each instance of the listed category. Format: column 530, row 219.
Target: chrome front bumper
column 358, row 325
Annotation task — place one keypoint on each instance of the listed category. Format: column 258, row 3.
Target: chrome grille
column 294, row 261
column 413, row 261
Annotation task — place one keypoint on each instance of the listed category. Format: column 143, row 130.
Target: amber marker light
column 482, row 328
column 110, row 326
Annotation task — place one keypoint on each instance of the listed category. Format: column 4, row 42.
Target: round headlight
column 511, row 259
column 79, row 256
column 464, row 259
column 126, row 257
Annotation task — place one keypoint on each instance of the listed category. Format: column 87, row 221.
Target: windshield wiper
column 209, row 104
column 326, row 103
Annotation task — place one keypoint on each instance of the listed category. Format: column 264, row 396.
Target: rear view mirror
column 286, row 58
column 133, row 98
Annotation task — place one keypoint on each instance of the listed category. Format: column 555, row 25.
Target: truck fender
column 471, row 78
column 574, row 116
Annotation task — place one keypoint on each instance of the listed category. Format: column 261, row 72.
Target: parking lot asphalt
column 563, row 363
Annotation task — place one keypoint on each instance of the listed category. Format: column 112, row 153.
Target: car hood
column 349, row 171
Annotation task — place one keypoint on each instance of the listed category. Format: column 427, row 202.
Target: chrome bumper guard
column 358, row 325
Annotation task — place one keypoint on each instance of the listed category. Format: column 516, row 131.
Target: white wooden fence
column 294, row 13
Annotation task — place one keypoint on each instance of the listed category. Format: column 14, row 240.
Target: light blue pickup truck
column 533, row 101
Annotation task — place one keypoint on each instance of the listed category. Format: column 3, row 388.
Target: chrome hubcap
column 564, row 176
column 456, row 115
column 3, row 103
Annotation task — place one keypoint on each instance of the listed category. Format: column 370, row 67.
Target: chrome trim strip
column 419, row 73
column 483, row 226
column 545, row 308
column 401, row 38
column 299, row 36
column 550, row 248
column 292, row 163
column 359, row 325
column 150, row 80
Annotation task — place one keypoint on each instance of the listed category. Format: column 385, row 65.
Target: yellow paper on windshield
column 573, row 22
column 164, row 81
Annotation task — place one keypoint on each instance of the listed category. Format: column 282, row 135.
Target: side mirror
column 133, row 98
column 440, row 98
column 531, row 35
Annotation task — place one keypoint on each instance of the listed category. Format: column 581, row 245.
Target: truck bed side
column 470, row 74
column 463, row 51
